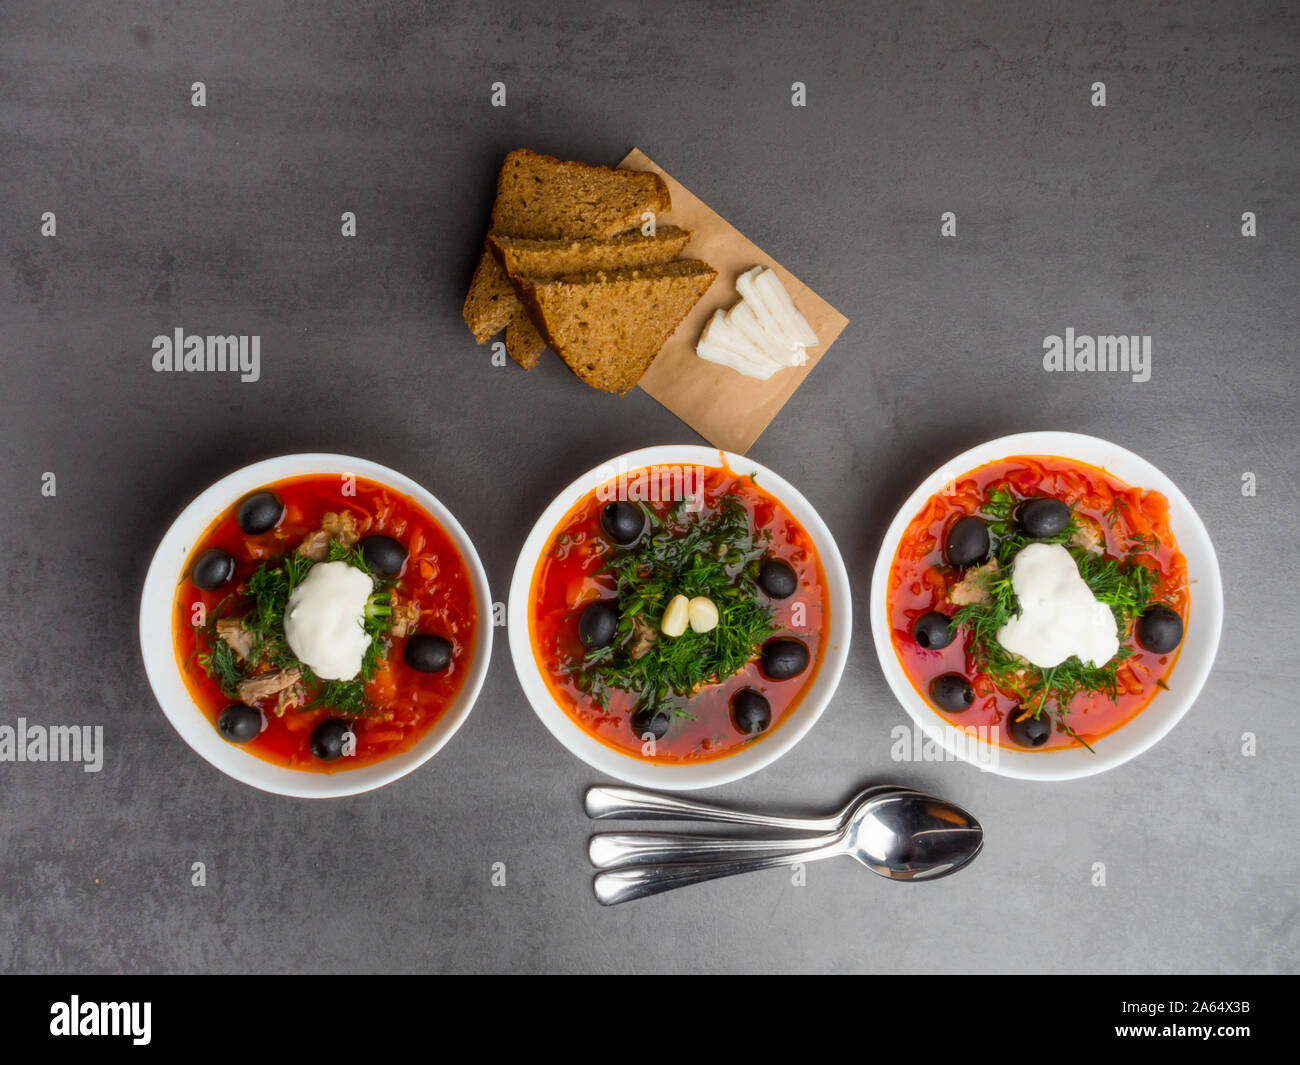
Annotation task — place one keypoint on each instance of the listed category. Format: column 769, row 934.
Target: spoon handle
column 616, row 850
column 630, row 804
column 624, row 885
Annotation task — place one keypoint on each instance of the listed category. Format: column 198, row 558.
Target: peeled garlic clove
column 703, row 613
column 676, row 617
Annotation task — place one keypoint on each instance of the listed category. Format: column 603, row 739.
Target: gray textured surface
column 226, row 220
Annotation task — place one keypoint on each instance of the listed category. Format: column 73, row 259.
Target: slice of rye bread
column 541, row 197
column 609, row 325
column 524, row 257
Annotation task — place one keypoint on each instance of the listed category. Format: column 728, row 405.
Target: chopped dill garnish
column 1143, row 543
column 345, row 696
column 711, row 553
column 221, row 664
column 377, row 621
column 1124, row 585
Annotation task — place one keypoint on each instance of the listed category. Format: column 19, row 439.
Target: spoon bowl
column 899, row 835
column 910, row 836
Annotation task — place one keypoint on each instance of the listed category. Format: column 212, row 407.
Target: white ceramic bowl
column 169, row 686
column 631, row 768
column 1205, row 612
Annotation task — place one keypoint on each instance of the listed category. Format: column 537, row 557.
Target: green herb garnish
column 712, row 553
column 221, row 664
column 345, row 696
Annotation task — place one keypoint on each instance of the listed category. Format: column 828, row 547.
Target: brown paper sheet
column 726, row 408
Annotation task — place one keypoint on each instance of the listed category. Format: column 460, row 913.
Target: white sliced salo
column 747, row 284
column 792, row 324
column 745, row 321
column 721, row 330
column 723, row 344
column 724, row 357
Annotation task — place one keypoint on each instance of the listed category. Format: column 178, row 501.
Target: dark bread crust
column 526, row 257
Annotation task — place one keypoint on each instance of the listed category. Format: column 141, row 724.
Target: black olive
column 649, row 719
column 261, row 512
column 952, row 692
column 383, row 555
column 328, row 737
column 967, row 542
column 783, row 658
column 239, row 723
column 777, row 578
column 750, row 711
column 1159, row 629
column 598, row 625
column 622, row 522
column 1042, row 517
column 428, row 654
column 212, row 569
column 1027, row 730
column 933, row 631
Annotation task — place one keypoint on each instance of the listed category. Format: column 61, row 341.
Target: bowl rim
column 688, row 776
column 1205, row 613
column 164, row 673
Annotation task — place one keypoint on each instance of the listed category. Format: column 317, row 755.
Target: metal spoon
column 900, row 836
column 613, row 850
column 631, row 804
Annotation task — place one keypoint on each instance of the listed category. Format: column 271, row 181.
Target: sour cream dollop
column 1059, row 615
column 324, row 621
